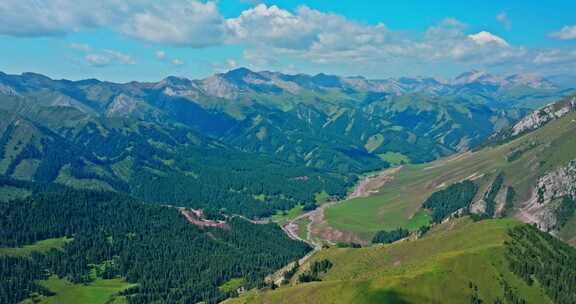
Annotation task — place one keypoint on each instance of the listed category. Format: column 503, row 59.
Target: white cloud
column 120, row 57
column 270, row 35
column 555, row 57
column 190, row 23
column 503, row 19
column 34, row 18
column 80, row 47
column 98, row 60
column 107, row 58
column 303, row 30
column 176, row 62
column 484, row 37
column 160, row 55
column 566, row 33
column 231, row 63
column 181, row 23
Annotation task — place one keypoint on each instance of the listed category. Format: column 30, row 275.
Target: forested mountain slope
column 153, row 250
column 239, row 138
column 325, row 121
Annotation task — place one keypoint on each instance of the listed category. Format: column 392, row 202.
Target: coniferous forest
column 444, row 202
column 539, row 257
column 171, row 260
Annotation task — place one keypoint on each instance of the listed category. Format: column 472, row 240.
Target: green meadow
column 398, row 203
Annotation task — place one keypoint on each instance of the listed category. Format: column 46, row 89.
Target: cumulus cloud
column 52, row 18
column 304, row 30
column 269, row 34
column 484, row 37
column 107, row 58
column 181, row 23
column 566, row 33
column 555, row 57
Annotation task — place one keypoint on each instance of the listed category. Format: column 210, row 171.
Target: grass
column 283, row 217
column 232, row 285
column 40, row 246
column 321, row 197
column 435, row 269
column 398, row 203
column 303, row 228
column 26, row 169
column 260, row 197
column 99, row 291
column 394, row 158
column 374, row 142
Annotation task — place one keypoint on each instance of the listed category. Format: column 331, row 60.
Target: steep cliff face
column 544, row 115
column 550, row 189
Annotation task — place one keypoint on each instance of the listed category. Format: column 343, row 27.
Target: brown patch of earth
column 195, row 218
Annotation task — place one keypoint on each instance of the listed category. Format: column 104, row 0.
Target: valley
column 287, row 152
column 394, row 197
column 305, row 181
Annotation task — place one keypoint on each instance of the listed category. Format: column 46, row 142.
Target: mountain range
column 174, row 191
column 140, row 137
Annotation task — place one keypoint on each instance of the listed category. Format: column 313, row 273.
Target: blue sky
column 146, row 40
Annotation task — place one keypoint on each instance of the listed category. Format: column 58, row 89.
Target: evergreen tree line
column 171, row 164
column 490, row 196
column 171, row 260
column 565, row 211
column 317, row 268
column 387, row 237
column 537, row 256
column 445, row 202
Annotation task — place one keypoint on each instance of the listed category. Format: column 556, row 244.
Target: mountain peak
column 240, row 73
column 176, row 81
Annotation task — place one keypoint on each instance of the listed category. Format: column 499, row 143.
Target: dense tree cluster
column 445, row 202
column 317, row 268
column 490, row 196
column 534, row 255
column 171, row 260
column 565, row 211
column 291, row 272
column 17, row 276
column 170, row 164
column 509, row 202
column 387, row 237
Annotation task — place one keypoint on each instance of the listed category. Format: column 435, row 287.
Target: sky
column 147, row 40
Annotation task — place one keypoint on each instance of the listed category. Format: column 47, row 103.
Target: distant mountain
column 138, row 136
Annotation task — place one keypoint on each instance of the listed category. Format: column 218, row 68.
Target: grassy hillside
column 455, row 263
column 521, row 161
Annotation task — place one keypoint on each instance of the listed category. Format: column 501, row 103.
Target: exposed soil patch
column 368, row 186
column 371, row 184
column 195, row 218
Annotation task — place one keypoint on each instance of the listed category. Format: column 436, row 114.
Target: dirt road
column 364, row 188
column 367, row 186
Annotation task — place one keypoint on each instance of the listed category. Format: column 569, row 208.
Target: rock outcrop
column 540, row 208
column 542, row 116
